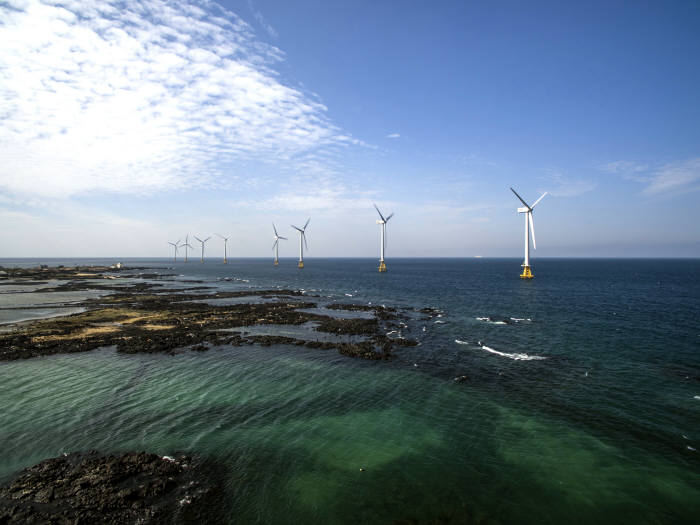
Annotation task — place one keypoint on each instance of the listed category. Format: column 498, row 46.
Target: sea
column 573, row 397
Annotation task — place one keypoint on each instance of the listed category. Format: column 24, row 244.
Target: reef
column 140, row 317
column 133, row 487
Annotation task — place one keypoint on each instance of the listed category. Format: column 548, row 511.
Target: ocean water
column 581, row 403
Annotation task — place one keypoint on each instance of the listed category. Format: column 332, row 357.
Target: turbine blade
column 538, row 200
column 205, row 240
column 520, row 198
column 200, row 240
column 307, row 223
column 532, row 231
column 275, row 244
column 380, row 213
column 273, row 227
column 297, row 229
column 389, row 217
column 305, row 243
column 282, row 238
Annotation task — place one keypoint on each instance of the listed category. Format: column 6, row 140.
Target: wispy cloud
column 393, row 136
column 560, row 185
column 683, row 176
column 261, row 20
column 626, row 169
column 141, row 96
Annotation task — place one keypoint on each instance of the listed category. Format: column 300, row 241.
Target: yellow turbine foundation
column 277, row 263
column 301, row 264
column 382, row 266
column 527, row 273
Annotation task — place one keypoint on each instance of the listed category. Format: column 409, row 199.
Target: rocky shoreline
column 133, row 487
column 141, row 317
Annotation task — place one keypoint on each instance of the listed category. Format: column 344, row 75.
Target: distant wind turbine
column 276, row 246
column 175, row 245
column 382, row 247
column 302, row 238
column 187, row 245
column 225, row 243
column 529, row 225
column 202, row 241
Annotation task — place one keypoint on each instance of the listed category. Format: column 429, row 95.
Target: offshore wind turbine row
column 382, row 222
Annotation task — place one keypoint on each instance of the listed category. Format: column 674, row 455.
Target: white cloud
column 262, row 21
column 560, row 185
column 139, row 96
column 393, row 136
column 681, row 176
column 627, row 170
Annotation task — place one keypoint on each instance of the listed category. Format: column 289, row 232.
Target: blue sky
column 127, row 124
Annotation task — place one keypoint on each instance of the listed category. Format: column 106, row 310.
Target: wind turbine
column 382, row 223
column 529, row 225
column 175, row 245
column 187, row 245
column 302, row 237
column 276, row 246
column 225, row 243
column 202, row 241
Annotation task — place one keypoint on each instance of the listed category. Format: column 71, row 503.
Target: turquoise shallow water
column 602, row 429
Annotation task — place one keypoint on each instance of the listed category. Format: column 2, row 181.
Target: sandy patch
column 85, row 332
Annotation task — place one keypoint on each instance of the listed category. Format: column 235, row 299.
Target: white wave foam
column 348, row 294
column 490, row 321
column 516, row 356
column 696, row 397
column 440, row 322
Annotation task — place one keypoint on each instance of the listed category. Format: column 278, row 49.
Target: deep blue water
column 584, row 407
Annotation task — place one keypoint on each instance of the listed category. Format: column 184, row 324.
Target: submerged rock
column 134, row 487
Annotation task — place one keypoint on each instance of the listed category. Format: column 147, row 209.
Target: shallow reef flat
column 137, row 317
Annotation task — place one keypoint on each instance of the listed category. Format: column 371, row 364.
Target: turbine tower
column 175, row 245
column 225, row 243
column 202, row 241
column 382, row 246
column 276, row 246
column 529, row 225
column 186, row 246
column 302, row 238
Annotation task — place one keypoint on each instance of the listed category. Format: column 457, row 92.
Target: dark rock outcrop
column 135, row 487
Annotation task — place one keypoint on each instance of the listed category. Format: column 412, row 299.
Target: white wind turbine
column 202, row 241
column 529, row 225
column 382, row 225
column 225, row 243
column 302, row 238
column 187, row 246
column 175, row 245
column 276, row 246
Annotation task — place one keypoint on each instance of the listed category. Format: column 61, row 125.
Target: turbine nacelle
column 523, row 210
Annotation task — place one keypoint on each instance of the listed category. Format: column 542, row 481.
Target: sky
column 128, row 124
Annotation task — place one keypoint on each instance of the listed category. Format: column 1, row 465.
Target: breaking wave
column 515, row 356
